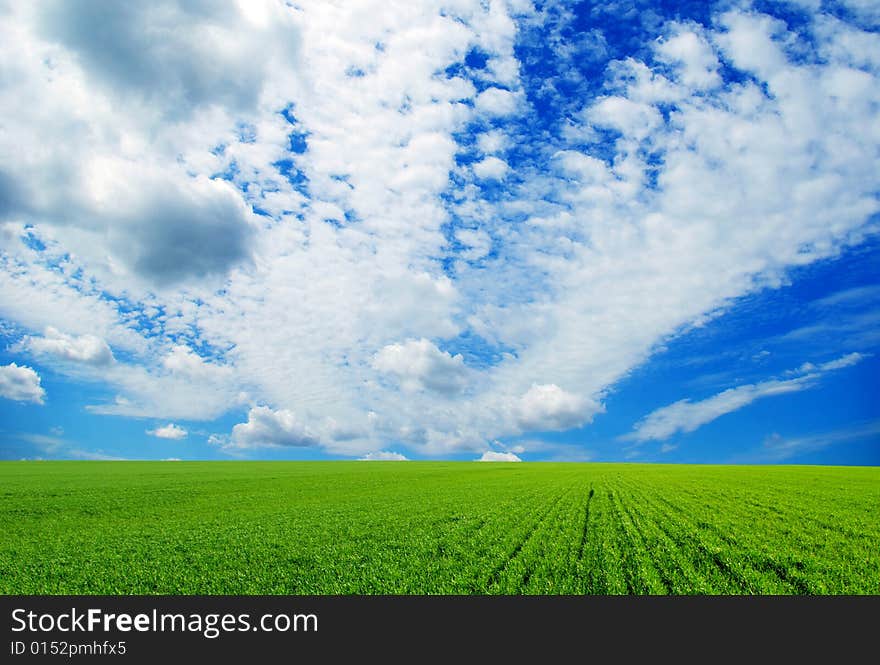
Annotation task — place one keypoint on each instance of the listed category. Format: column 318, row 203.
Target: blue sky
column 620, row 231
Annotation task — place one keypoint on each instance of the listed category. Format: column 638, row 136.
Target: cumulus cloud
column 383, row 456
column 83, row 348
column 265, row 427
column 492, row 141
column 120, row 186
column 169, row 431
column 420, row 365
column 496, row 102
column 549, row 407
column 690, row 50
column 491, row 168
column 172, row 230
column 495, row 456
column 686, row 416
column 199, row 60
column 21, row 384
column 632, row 118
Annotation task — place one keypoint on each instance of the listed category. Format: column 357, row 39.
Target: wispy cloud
column 686, row 416
column 855, row 296
column 55, row 447
column 777, row 448
column 857, row 329
column 47, row 443
column 94, row 455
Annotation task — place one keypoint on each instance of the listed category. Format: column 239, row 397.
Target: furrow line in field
column 658, row 564
column 647, row 575
column 840, row 529
column 545, row 558
column 797, row 551
column 689, row 536
column 495, row 576
column 761, row 556
column 782, row 506
column 684, row 549
column 627, row 546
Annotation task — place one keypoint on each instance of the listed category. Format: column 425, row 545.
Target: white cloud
column 492, row 141
column 491, row 168
column 698, row 62
column 37, row 291
column 265, row 427
column 420, row 365
column 181, row 360
column 687, row 416
column 497, row 102
column 172, row 384
column 383, row 456
column 84, row 348
column 749, row 42
column 589, row 170
column 21, row 384
column 495, row 456
column 220, row 440
column 633, row 119
column 549, row 407
column 845, row 361
column 169, row 431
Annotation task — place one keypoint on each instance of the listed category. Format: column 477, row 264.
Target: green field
column 430, row 528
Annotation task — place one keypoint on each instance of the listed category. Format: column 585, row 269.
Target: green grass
column 427, row 527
